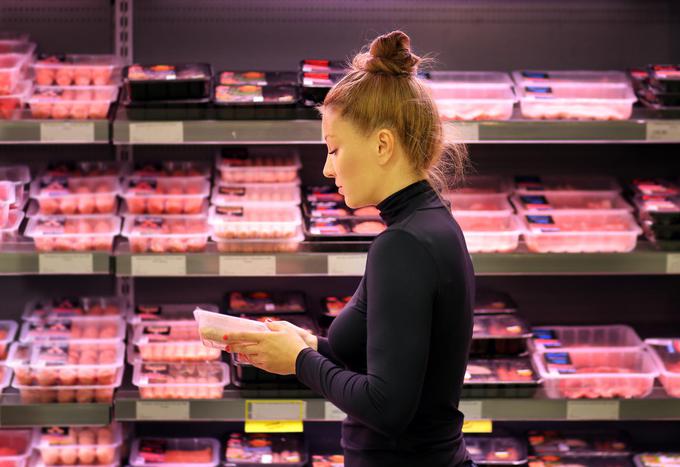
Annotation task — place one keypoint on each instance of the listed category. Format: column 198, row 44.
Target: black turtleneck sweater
column 395, row 357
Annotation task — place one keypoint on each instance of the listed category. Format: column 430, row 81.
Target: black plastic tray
column 347, row 236
column 259, row 78
column 170, row 90
column 268, row 303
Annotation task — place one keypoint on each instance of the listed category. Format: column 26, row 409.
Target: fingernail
column 225, row 337
column 228, row 348
column 268, row 320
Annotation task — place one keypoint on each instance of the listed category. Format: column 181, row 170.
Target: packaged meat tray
column 20, row 176
column 559, row 101
column 487, row 450
column 171, row 341
column 73, row 307
column 5, row 376
column 328, row 460
column 166, row 234
column 315, row 85
column 487, row 232
column 533, row 184
column 657, row 459
column 7, row 198
column 105, row 328
column 12, row 68
column 15, row 447
column 332, row 306
column 265, row 303
column 574, row 337
column 74, row 102
column 256, row 245
column 496, row 204
column 339, row 210
column 82, row 169
column 69, row 445
column 573, row 232
column 503, row 334
column 662, row 210
column 258, row 78
column 330, row 228
column 666, row 352
column 213, row 326
column 75, row 70
column 577, row 444
column 82, row 195
column 500, row 377
column 152, row 312
column 73, row 233
column 15, row 100
column 478, row 102
column 10, row 232
column 81, row 394
column 58, row 363
column 250, row 94
column 549, row 77
column 483, row 185
column 593, row 373
column 180, row 380
column 239, row 167
column 323, row 193
column 665, row 78
column 8, row 329
column 171, row 169
column 168, row 82
column 322, row 66
column 272, row 194
column 174, row 452
column 570, row 201
column 559, row 461
column 231, row 222
column 492, row 302
column 253, row 450
column 471, row 78
column 654, row 187
column 165, row 195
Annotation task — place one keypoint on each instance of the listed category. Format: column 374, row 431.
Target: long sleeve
column 324, row 348
column 401, row 282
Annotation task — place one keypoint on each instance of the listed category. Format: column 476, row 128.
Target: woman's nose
column 328, row 170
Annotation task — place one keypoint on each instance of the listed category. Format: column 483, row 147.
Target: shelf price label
column 471, row 409
column 159, row 266
column 477, row 426
column 331, row 412
column 673, row 263
column 162, row 410
column 592, row 410
column 157, row 132
column 244, row 265
column 275, row 416
column 347, row 264
column 65, row 263
column 67, row 132
column 459, row 132
column 663, row 130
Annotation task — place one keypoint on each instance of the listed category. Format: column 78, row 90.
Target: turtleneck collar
column 401, row 203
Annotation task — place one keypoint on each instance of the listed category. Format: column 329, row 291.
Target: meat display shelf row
column 26, row 261
column 128, row 407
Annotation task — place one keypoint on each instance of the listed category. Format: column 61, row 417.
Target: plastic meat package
column 540, row 184
column 559, row 461
column 328, row 460
column 492, row 302
column 665, row 78
column 577, row 444
column 152, row 312
column 483, row 185
column 78, row 70
column 180, row 380
column 503, row 334
column 257, row 78
column 11, row 71
column 593, row 373
column 73, row 233
column 237, row 166
column 84, row 363
column 20, row 176
column 487, row 232
column 594, row 77
column 667, row 355
column 654, row 187
column 166, row 234
column 7, row 199
column 461, row 101
column 571, row 201
column 167, row 82
column 251, row 94
column 250, row 450
column 97, row 445
column 15, row 447
column 574, row 337
column 75, row 195
column 175, row 452
column 337, row 229
column 479, row 203
column 213, row 326
column 500, row 377
column 579, row 232
column 5, row 376
column 15, row 100
column 339, row 210
column 265, row 302
column 105, row 328
column 70, row 307
column 165, row 195
column 247, row 222
column 76, row 102
column 82, row 394
column 171, row 341
column 10, row 232
column 8, row 329
column 332, row 306
column 256, row 245
column 660, row 210
column 272, row 194
column 82, row 169
column 493, row 450
column 657, row 459
column 171, row 169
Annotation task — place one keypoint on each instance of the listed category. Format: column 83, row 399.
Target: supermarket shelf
column 14, row 413
column 22, row 258
column 28, row 131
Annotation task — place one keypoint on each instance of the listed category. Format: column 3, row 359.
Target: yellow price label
column 274, row 416
column 477, row 426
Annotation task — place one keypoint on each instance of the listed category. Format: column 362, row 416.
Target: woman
column 395, row 357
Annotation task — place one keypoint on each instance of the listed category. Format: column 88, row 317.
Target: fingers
column 241, row 348
column 276, row 326
column 235, row 337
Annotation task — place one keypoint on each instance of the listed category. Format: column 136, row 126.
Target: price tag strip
column 275, row 416
column 162, row 410
column 347, row 264
column 65, row 263
column 461, row 132
column 663, row 130
column 593, row 410
column 331, row 412
column 67, row 132
column 673, row 263
column 161, row 265
column 157, row 132
column 477, row 426
column 243, row 265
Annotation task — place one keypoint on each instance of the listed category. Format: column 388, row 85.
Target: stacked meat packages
column 317, row 77
column 658, row 209
column 159, row 452
column 75, row 207
column 658, row 86
column 255, row 202
column 79, row 446
column 169, row 359
column 252, row 450
column 13, row 182
column 579, row 448
column 16, row 55
column 69, row 350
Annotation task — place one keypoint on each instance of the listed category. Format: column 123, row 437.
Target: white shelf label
column 592, row 410
column 347, row 264
column 673, row 263
column 255, row 265
column 331, row 412
column 275, row 410
column 65, row 263
column 163, row 410
column 663, row 130
column 471, row 409
column 159, row 265
column 460, row 132
column 157, row 132
column 67, row 132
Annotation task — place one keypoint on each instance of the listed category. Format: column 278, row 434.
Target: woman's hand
column 275, row 351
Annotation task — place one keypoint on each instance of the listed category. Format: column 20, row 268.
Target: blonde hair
column 382, row 90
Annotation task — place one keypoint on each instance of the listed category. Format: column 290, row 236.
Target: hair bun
column 389, row 54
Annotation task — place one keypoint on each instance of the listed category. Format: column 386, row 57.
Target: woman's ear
column 386, row 142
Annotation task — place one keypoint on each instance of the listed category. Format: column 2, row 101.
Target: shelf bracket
column 123, row 30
